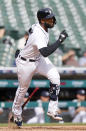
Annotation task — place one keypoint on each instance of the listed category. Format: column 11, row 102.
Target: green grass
column 55, row 124
column 47, row 124
column 3, row 124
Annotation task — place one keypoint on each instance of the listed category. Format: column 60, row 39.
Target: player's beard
column 47, row 25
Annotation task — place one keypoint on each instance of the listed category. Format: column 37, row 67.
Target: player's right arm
column 46, row 51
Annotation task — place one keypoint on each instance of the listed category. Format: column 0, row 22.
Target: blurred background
column 16, row 17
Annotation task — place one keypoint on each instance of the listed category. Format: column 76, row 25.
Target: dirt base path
column 46, row 128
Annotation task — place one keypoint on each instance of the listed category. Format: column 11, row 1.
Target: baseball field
column 44, row 127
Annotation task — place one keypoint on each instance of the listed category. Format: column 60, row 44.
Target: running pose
column 33, row 58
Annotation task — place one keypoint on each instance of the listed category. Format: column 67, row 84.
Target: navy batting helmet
column 45, row 13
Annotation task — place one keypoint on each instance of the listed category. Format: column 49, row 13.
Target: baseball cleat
column 18, row 122
column 56, row 116
column 13, row 121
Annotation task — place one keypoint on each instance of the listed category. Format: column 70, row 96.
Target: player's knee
column 54, row 91
column 54, row 77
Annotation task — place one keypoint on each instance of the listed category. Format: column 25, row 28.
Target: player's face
column 49, row 22
column 81, row 97
column 44, row 99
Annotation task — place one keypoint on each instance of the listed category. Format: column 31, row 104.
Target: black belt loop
column 31, row 60
column 22, row 58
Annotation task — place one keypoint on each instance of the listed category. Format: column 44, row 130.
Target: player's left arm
column 46, row 51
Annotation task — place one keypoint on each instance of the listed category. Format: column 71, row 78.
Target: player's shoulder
column 38, row 31
column 36, row 28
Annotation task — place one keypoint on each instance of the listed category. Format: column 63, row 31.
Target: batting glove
column 63, row 36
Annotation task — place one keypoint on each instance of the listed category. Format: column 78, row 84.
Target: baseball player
column 78, row 113
column 32, row 58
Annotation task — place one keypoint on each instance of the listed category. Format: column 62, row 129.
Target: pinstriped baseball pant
column 25, row 71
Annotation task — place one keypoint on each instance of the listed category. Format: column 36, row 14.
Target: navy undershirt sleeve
column 46, row 51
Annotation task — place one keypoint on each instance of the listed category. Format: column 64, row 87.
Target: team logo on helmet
column 50, row 11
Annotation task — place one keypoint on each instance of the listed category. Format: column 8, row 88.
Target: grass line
column 47, row 124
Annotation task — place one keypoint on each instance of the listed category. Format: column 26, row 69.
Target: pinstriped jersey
column 38, row 39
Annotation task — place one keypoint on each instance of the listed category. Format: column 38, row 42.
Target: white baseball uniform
column 26, row 69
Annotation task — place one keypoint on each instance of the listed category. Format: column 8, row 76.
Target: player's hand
column 63, row 36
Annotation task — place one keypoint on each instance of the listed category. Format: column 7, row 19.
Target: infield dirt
column 46, row 128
